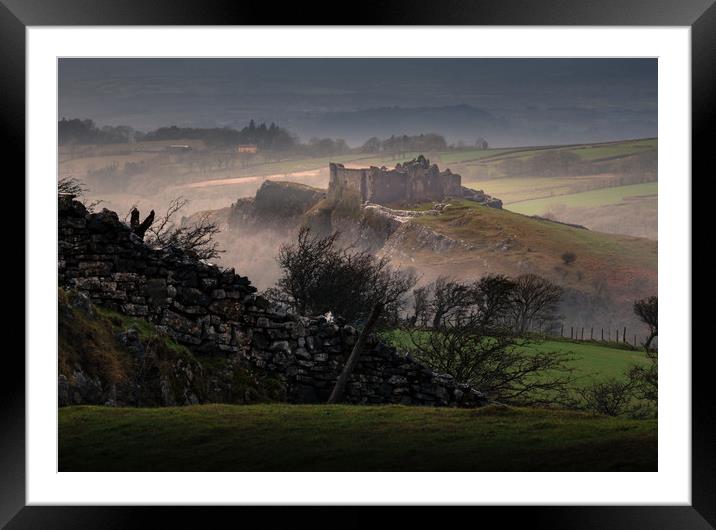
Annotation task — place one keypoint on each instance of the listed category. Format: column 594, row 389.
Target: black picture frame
column 15, row 15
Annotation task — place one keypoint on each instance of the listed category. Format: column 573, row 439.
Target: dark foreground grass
column 280, row 437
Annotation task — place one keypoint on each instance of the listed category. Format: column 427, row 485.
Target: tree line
column 271, row 136
column 267, row 137
column 76, row 131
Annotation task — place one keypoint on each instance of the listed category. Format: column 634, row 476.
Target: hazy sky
column 509, row 101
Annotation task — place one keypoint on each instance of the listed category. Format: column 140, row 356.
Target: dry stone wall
column 216, row 312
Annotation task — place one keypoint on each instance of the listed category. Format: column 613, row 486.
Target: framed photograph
column 411, row 261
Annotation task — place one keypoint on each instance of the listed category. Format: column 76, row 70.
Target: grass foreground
column 282, row 437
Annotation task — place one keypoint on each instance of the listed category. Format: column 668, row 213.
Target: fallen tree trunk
column 340, row 387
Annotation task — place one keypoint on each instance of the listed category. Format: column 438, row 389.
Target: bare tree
column 647, row 310
column 474, row 342
column 494, row 298
column 646, row 377
column 75, row 188
column 448, row 297
column 612, row 397
column 320, row 275
column 534, row 297
column 197, row 239
column 445, row 298
column 71, row 186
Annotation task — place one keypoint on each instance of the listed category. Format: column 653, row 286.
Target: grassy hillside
column 503, row 241
column 597, row 151
column 621, row 170
column 515, row 189
column 350, row 438
column 602, row 197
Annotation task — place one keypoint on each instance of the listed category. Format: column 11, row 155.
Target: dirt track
column 246, row 180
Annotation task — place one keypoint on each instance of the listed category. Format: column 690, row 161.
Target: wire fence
column 613, row 335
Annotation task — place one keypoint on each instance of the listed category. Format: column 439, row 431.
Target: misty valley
column 461, row 296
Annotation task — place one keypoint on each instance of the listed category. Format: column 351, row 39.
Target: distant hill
column 529, row 126
column 462, row 121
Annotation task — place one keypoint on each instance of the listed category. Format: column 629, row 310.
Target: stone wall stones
column 215, row 312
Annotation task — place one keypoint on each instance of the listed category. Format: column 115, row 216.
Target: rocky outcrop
column 276, row 202
column 481, row 197
column 216, row 313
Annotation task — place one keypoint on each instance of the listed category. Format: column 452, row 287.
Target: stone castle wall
column 414, row 181
column 215, row 312
column 345, row 182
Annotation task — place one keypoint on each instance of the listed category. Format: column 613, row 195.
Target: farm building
column 247, row 148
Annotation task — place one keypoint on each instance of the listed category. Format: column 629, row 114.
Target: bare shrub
column 646, row 379
column 612, row 397
column 319, row 275
column 197, row 239
column 534, row 298
column 74, row 187
column 568, row 258
column 465, row 330
column 71, row 186
column 648, row 312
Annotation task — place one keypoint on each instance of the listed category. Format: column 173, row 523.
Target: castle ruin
column 413, row 181
column 410, row 182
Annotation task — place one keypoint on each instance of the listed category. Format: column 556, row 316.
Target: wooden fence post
column 602, row 334
column 582, row 333
column 561, row 333
column 591, row 334
column 624, row 335
column 571, row 332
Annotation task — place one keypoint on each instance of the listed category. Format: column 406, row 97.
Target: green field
column 597, row 151
column 601, row 197
column 281, row 437
column 590, row 361
column 586, row 151
column 453, row 157
column 516, row 189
